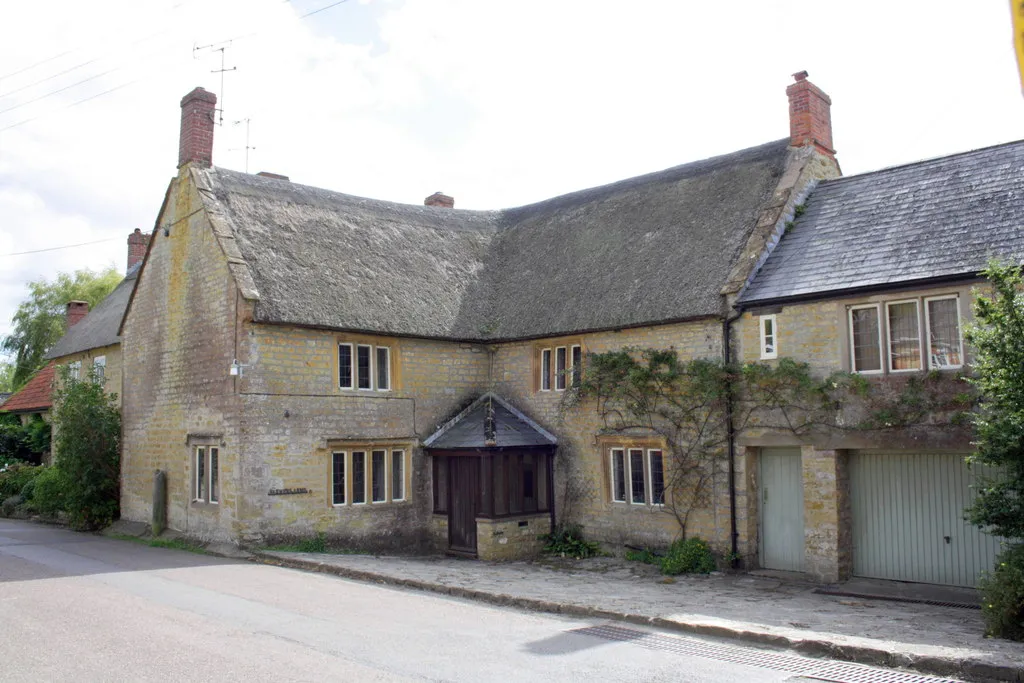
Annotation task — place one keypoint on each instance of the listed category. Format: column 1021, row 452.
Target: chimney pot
column 197, row 119
column 810, row 116
column 76, row 310
column 440, row 199
column 137, row 245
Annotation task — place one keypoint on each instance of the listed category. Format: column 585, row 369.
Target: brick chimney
column 76, row 311
column 196, row 141
column 440, row 199
column 137, row 243
column 810, row 115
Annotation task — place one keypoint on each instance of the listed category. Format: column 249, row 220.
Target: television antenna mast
column 221, row 48
column 247, row 145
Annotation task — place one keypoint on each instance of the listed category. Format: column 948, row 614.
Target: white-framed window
column 371, row 475
column 397, row 475
column 206, row 474
column 865, row 339
column 769, row 337
column 945, row 344
column 338, row 492
column 545, row 370
column 903, row 334
column 576, row 365
column 560, row 365
column 364, row 367
column 75, row 369
column 99, row 366
column 637, row 475
column 918, row 333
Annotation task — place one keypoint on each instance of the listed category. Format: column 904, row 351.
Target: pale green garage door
column 908, row 519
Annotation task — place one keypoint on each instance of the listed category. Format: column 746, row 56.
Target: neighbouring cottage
column 298, row 360
column 876, row 277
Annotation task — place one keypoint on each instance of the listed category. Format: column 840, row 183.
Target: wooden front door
column 782, row 509
column 463, row 503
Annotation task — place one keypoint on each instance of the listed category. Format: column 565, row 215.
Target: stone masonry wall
column 511, row 539
column 177, row 346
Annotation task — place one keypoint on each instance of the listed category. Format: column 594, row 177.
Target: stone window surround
column 647, row 444
column 354, row 341
column 348, row 449
column 882, row 305
column 545, row 357
column 208, row 443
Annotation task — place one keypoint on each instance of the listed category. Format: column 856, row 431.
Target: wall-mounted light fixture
column 236, row 368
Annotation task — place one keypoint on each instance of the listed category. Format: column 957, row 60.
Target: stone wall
column 111, row 373
column 511, row 539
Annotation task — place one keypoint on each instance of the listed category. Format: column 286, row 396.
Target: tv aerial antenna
column 247, row 147
column 222, row 49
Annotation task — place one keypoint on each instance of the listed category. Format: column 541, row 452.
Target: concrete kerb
column 966, row 669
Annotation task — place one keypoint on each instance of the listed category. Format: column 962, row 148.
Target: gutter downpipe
column 730, row 430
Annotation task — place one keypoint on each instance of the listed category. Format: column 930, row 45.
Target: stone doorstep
column 973, row 670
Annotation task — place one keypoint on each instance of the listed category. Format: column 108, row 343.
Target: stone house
column 297, row 360
column 876, row 277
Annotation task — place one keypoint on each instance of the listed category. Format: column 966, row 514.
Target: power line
column 67, row 246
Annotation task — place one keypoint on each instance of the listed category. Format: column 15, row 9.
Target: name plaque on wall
column 287, row 492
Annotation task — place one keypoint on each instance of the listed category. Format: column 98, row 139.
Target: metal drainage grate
column 896, row 598
column 838, row 672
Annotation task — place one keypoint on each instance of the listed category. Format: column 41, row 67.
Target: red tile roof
column 34, row 396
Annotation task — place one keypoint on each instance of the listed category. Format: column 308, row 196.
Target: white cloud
column 498, row 104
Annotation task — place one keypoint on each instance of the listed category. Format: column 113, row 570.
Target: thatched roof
column 650, row 249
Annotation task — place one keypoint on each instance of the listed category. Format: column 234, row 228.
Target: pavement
column 775, row 611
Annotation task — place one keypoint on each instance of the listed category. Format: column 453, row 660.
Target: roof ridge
column 919, row 162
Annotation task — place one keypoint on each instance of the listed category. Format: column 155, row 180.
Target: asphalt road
column 77, row 607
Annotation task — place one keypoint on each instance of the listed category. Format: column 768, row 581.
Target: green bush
column 645, row 556
column 1002, row 595
column 10, row 505
column 13, row 478
column 567, row 541
column 690, row 556
column 48, row 490
column 22, row 443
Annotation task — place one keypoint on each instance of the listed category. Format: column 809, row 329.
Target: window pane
column 338, row 479
column 768, row 337
column 657, row 464
column 560, row 367
column 363, row 367
column 545, row 369
column 618, row 475
column 383, row 368
column 200, row 474
column 866, row 355
column 440, row 484
column 99, row 365
column 944, row 334
column 397, row 475
column 577, row 365
column 359, row 477
column 345, row 366
column 904, row 337
column 214, row 478
column 638, row 488
column 378, row 482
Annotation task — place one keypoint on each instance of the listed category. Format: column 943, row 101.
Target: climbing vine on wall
column 686, row 403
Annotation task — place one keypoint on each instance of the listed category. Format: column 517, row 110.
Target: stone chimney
column 137, row 243
column 810, row 115
column 197, row 119
column 76, row 311
column 440, row 199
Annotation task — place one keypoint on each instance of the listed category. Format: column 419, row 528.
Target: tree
column 40, row 319
column 6, row 376
column 998, row 341
column 87, row 446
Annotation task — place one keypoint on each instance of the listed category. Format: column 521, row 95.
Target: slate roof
column 99, row 327
column 926, row 221
column 468, row 429
column 34, row 397
column 654, row 248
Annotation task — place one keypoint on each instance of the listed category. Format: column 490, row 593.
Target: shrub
column 48, row 492
column 567, row 541
column 645, row 556
column 13, row 478
column 1002, row 595
column 10, row 505
column 88, row 427
column 689, row 556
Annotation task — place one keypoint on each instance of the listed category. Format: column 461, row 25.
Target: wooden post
column 159, row 502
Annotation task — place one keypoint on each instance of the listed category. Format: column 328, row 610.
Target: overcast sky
column 496, row 103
